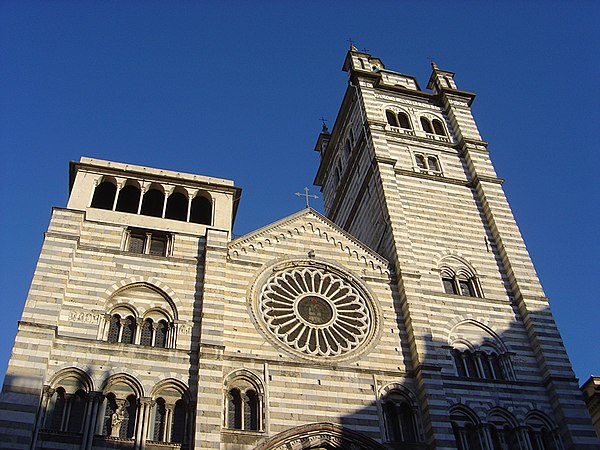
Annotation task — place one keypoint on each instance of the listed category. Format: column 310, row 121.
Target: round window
column 315, row 312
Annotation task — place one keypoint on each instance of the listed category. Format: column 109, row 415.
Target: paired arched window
column 541, row 433
column 120, row 407
column 154, row 333
column 434, row 126
column 398, row 120
column 170, row 413
column 427, row 163
column 243, row 400
column 67, row 401
column 459, row 278
column 122, row 329
column 467, row 431
column 153, row 202
column 400, row 418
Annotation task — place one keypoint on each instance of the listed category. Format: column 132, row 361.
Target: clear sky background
column 236, row 89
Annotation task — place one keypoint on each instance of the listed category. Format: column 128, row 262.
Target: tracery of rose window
column 315, row 312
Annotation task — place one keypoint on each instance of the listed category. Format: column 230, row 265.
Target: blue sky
column 236, row 89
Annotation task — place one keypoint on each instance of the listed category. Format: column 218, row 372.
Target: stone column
column 47, row 393
column 168, row 422
column 139, row 323
column 143, row 421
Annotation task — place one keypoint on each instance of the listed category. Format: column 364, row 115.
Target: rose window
column 314, row 312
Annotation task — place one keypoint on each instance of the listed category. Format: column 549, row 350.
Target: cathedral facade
column 408, row 316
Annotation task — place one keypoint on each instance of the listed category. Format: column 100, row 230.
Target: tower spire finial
column 352, row 46
column 324, row 129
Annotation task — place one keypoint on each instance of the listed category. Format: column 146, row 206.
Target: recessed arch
column 320, row 435
column 129, row 197
column 123, row 384
column 177, row 205
column 201, row 208
column 104, row 193
column 72, row 379
column 153, row 201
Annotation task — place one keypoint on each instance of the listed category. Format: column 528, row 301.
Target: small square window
column 148, row 242
column 158, row 245
column 137, row 243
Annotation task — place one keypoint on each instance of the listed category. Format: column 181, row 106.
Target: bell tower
column 406, row 171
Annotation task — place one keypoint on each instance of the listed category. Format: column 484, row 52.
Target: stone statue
column 116, row 420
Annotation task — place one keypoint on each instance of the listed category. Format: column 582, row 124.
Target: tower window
column 129, row 199
column 459, row 286
column 438, row 127
column 391, row 118
column 104, row 195
column 400, row 418
column 153, row 202
column 148, row 242
column 201, row 210
column 426, row 125
column 404, row 121
column 428, row 163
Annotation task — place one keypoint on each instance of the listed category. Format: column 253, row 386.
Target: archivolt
column 320, row 435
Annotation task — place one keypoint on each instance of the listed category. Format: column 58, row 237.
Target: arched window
column 234, row 409
column 67, row 408
column 179, row 421
column 77, row 412
column 170, row 412
column 128, row 429
column 57, row 408
column 177, row 206
column 114, row 328
column 404, row 121
column 391, row 118
column 121, row 395
column 146, row 336
column 458, row 277
column 160, row 339
column 128, row 334
column 160, row 412
column 104, row 195
column 347, row 149
column 129, row 199
column 420, row 160
column 438, row 127
column 243, row 400
column 479, row 353
column 541, row 433
column 110, row 407
column 400, row 420
column 426, row 125
column 201, row 210
column 433, row 164
column 153, row 202
column 503, row 431
column 250, row 410
column 464, row 426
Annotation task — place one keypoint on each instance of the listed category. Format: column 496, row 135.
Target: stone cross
column 306, row 195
